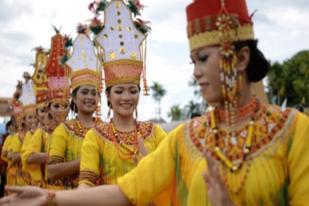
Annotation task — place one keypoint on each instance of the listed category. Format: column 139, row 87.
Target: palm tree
column 158, row 92
column 175, row 113
column 193, row 108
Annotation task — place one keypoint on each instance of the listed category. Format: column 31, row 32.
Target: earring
column 136, row 114
column 109, row 113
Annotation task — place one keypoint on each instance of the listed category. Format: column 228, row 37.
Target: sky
column 281, row 26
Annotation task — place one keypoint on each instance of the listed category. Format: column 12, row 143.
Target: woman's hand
column 217, row 192
column 27, row 195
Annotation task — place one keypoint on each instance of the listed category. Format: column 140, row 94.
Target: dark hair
column 73, row 106
column 108, row 92
column 258, row 64
column 299, row 108
column 8, row 124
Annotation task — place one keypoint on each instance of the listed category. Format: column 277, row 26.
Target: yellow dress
column 66, row 142
column 276, row 172
column 103, row 160
column 5, row 150
column 36, row 144
column 16, row 173
column 26, row 170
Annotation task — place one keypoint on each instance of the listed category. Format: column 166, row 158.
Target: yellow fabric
column 35, row 145
column 279, row 172
column 100, row 156
column 102, row 164
column 16, row 174
column 65, row 146
column 5, row 148
column 24, row 156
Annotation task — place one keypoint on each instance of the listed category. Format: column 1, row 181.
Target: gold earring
column 109, row 113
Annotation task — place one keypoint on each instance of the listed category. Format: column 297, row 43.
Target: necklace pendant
column 234, row 140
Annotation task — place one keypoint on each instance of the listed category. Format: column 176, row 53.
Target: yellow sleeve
column 15, row 144
column 5, row 148
column 159, row 133
column 58, row 145
column 24, row 149
column 154, row 173
column 36, row 142
column 90, row 157
column 298, row 162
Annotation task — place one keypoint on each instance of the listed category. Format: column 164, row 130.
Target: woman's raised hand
column 217, row 192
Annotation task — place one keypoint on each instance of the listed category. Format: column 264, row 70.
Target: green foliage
column 175, row 113
column 290, row 79
column 133, row 8
column 157, row 91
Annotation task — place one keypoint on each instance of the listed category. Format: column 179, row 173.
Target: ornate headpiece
column 221, row 22
column 84, row 64
column 27, row 97
column 213, row 22
column 122, row 40
column 57, row 73
column 39, row 76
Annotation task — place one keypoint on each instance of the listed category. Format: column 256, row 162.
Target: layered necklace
column 126, row 142
column 252, row 108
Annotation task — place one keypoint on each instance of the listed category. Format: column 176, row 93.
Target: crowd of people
column 242, row 151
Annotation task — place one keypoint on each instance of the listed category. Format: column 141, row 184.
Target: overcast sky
column 281, row 26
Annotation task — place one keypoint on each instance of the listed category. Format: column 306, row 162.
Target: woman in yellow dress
column 244, row 153
column 6, row 149
column 35, row 155
column 14, row 175
column 67, row 138
column 111, row 150
column 29, row 109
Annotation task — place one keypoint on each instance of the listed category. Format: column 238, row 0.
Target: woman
column 29, row 103
column 35, row 155
column 113, row 149
column 65, row 147
column 255, row 153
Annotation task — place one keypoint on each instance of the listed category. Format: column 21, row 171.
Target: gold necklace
column 233, row 167
column 125, row 152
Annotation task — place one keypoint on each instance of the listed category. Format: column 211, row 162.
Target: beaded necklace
column 233, row 167
column 122, row 142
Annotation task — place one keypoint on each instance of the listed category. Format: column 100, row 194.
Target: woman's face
column 207, row 73
column 42, row 115
column 59, row 110
column 86, row 99
column 31, row 121
column 124, row 98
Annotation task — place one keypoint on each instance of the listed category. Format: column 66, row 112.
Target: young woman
column 245, row 153
column 65, row 147
column 111, row 150
column 35, row 155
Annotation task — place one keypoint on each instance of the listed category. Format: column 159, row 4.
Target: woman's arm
column 59, row 170
column 106, row 195
column 37, row 158
column 15, row 156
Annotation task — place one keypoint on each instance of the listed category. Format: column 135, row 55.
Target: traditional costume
column 262, row 162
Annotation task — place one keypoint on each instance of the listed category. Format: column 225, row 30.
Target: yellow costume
column 38, row 143
column 275, row 173
column 66, row 142
column 7, row 147
column 24, row 156
column 104, row 158
column 16, row 174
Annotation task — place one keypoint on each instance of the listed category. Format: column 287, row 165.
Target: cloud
column 10, row 10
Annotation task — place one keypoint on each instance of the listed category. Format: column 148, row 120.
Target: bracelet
column 51, row 198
